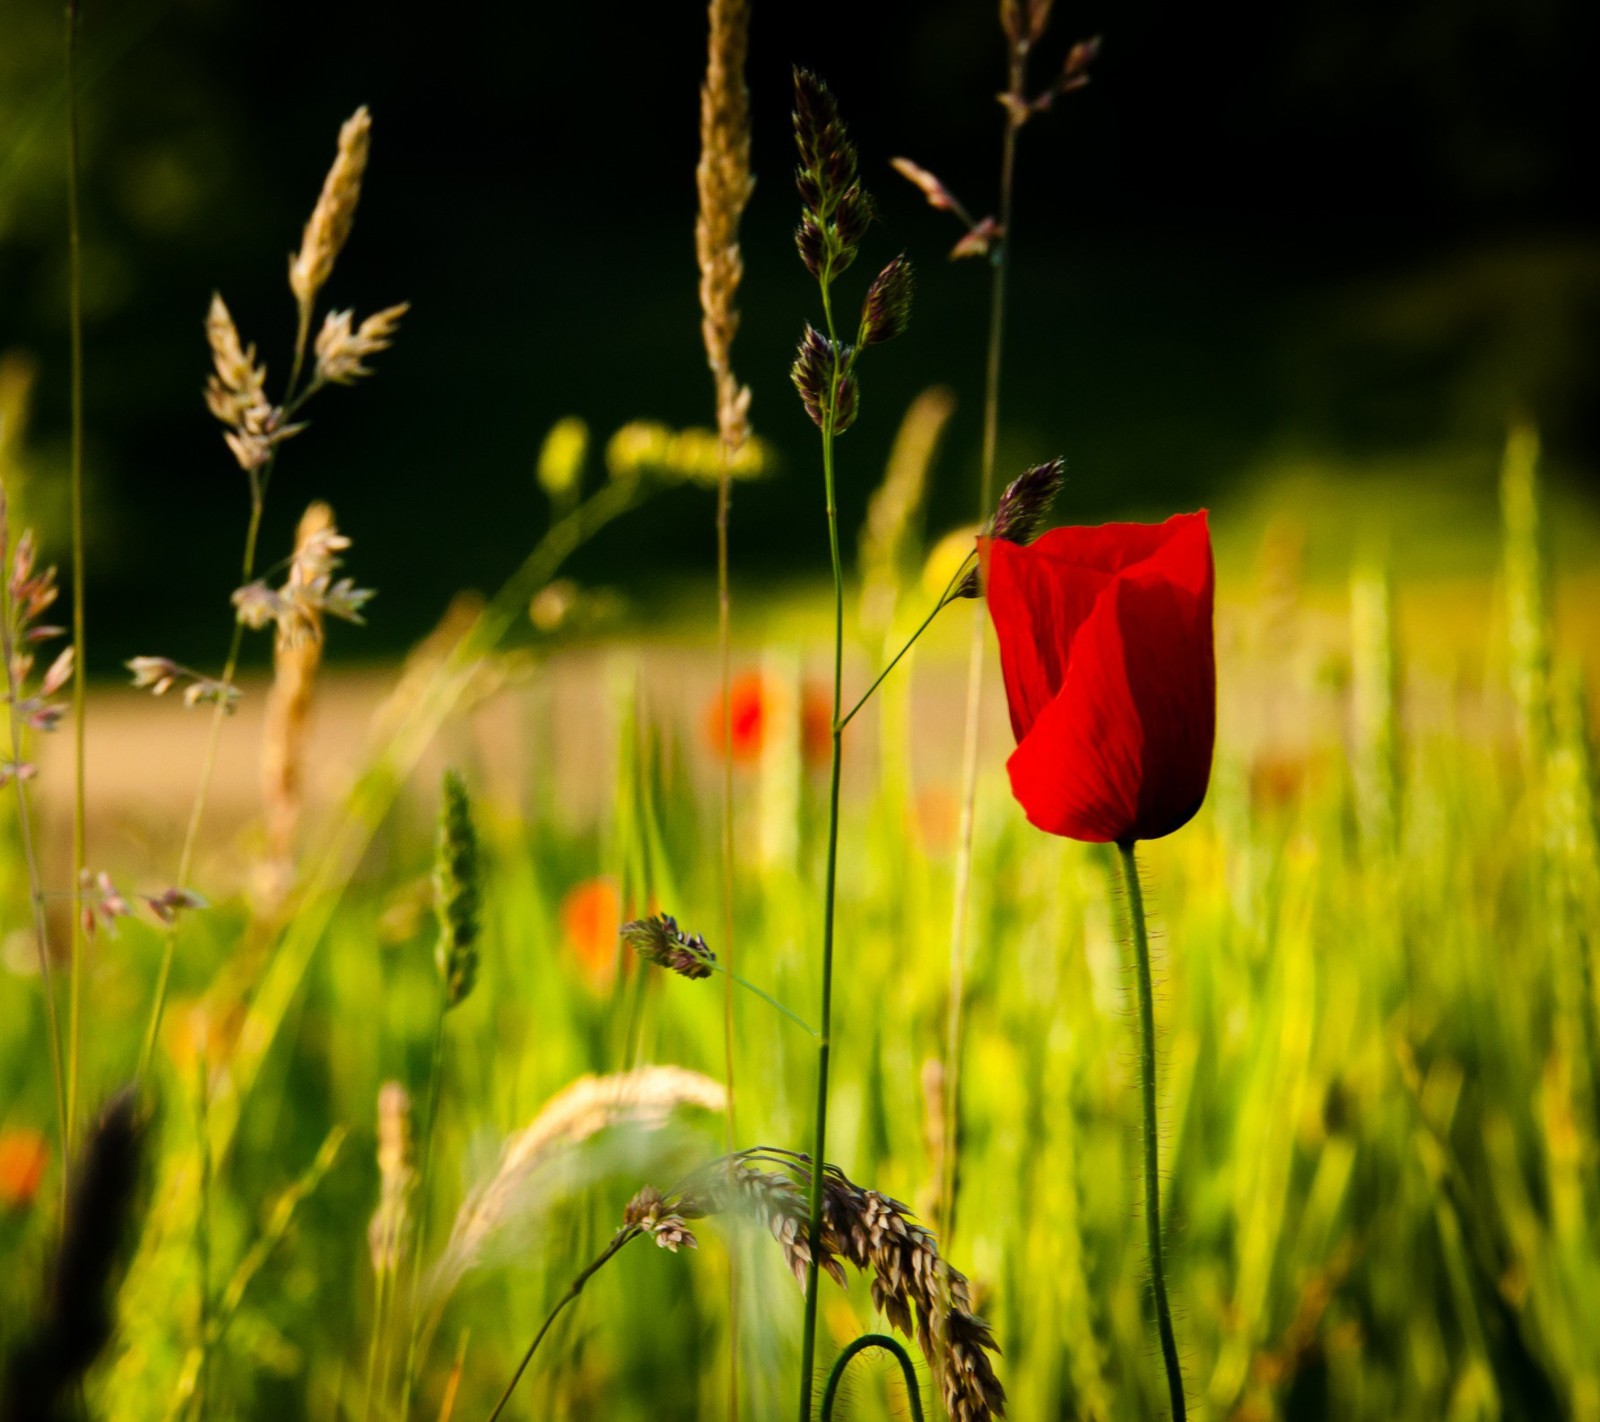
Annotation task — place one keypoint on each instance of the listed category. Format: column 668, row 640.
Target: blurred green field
column 1381, row 1065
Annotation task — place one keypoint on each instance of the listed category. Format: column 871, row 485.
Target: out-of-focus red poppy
column 591, row 919
column 1110, row 671
column 24, row 1154
column 758, row 707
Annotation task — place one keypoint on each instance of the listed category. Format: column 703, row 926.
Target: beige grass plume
column 645, row 1097
column 334, row 215
column 295, row 660
column 724, row 183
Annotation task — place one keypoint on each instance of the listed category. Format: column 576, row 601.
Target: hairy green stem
column 830, row 1394
column 949, row 1175
column 79, row 671
column 819, row 1152
column 1152, row 1141
column 622, row 1237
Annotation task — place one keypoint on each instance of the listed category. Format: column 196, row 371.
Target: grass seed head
column 335, row 213
column 659, row 940
column 886, row 311
column 456, row 874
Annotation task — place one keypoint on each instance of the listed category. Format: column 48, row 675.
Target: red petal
column 1037, row 604
column 1076, row 772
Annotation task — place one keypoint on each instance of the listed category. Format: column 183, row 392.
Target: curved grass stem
column 830, row 1393
column 1152, row 1143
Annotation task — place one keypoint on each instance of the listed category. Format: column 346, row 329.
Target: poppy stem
column 1147, row 1094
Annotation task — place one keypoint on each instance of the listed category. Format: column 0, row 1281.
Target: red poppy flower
column 1110, row 671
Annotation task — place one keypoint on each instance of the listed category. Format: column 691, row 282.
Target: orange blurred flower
column 591, row 919
column 743, row 720
column 757, row 708
column 24, row 1154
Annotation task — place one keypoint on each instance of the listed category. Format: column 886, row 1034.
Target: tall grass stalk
column 1139, row 930
column 79, row 670
column 30, row 851
column 962, row 895
column 723, row 181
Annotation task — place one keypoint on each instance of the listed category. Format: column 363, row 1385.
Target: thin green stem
column 1152, row 1141
column 79, row 670
column 830, row 1394
column 202, row 1226
column 191, row 834
column 380, row 1317
column 622, row 1237
column 949, row 1174
column 424, row 1158
column 819, row 1154
column 734, row 980
column 725, row 670
column 911, row 641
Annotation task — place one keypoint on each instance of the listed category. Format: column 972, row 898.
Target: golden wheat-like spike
column 335, row 213
column 724, row 183
column 646, row 1098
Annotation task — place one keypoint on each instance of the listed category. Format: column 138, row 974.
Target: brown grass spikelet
column 335, row 213
column 724, row 184
column 913, row 1286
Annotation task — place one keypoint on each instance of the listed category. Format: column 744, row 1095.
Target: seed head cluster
column 659, row 940
column 1020, row 514
column 913, row 1286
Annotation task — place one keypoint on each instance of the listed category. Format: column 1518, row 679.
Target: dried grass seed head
column 724, row 184
column 913, row 1286
column 335, row 213
column 649, row 1212
column 341, row 346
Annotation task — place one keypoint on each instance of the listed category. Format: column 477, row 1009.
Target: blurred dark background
column 1361, row 232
